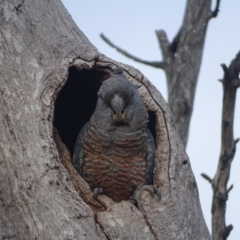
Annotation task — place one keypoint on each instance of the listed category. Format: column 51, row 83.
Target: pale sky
column 131, row 25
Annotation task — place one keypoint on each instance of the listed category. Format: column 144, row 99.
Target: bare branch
column 163, row 43
column 228, row 229
column 225, row 68
column 236, row 141
column 155, row 64
column 206, row 177
column 231, row 73
column 234, row 66
column 228, row 147
column 216, row 10
column 230, row 188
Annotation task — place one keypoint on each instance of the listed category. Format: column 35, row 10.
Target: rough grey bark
column 219, row 183
column 41, row 195
column 182, row 60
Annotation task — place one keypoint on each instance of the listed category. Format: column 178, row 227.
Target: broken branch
column 206, row 177
column 216, row 10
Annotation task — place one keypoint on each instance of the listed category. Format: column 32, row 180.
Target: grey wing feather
column 77, row 160
column 150, row 159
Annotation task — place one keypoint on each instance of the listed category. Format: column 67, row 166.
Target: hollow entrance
column 152, row 124
column 76, row 103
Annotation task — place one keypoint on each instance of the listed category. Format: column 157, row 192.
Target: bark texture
column 41, row 195
column 182, row 60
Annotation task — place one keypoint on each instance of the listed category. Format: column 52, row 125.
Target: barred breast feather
column 114, row 160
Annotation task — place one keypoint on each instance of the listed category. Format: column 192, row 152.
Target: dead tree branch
column 230, row 83
column 206, row 177
column 216, row 10
column 155, row 64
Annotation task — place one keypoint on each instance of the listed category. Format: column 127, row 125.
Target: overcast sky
column 131, row 25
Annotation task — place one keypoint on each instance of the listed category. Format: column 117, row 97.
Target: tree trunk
column 50, row 74
column 182, row 60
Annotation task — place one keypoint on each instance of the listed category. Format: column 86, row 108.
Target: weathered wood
column 230, row 84
column 41, row 197
column 182, row 60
